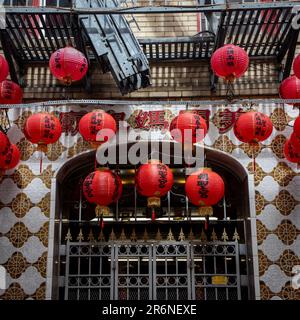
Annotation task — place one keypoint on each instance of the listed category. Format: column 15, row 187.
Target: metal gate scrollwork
column 153, row 271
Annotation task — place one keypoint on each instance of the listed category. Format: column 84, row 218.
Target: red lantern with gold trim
column 290, row 89
column 290, row 152
column 205, row 188
column 42, row 129
column 102, row 187
column 253, row 127
column 68, row 65
column 154, row 180
column 4, row 69
column 188, row 127
column 10, row 92
column 229, row 62
column 9, row 158
column 97, row 127
column 4, row 142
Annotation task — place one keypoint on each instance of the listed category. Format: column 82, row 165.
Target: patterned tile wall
column 25, row 203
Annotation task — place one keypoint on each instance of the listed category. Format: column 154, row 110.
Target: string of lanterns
column 204, row 188
column 10, row 93
column 290, row 89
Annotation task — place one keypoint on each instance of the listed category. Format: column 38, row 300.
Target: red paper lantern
column 291, row 153
column 188, row 127
column 204, row 188
column 10, row 157
column 297, row 127
column 295, row 141
column 229, row 62
column 68, row 65
column 4, row 142
column 253, row 127
column 290, row 88
column 42, row 129
column 154, row 180
column 296, row 66
column 10, row 92
column 97, row 127
column 102, row 187
column 4, row 69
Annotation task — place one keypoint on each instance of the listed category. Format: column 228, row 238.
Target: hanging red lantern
column 68, row 65
column 10, row 158
column 4, row 69
column 229, row 62
column 188, row 127
column 296, row 66
column 290, row 89
column 42, row 129
column 290, row 152
column 253, row 127
column 154, row 180
column 102, row 187
column 10, row 92
column 297, row 127
column 97, row 127
column 4, row 142
column 205, row 188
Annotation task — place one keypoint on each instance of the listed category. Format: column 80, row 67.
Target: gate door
column 171, row 271
column 133, row 271
column 89, row 273
column 158, row 270
column 215, row 271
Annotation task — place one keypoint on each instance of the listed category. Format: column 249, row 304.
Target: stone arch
column 213, row 156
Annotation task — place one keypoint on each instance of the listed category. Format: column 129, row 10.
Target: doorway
column 212, row 264
column 153, row 271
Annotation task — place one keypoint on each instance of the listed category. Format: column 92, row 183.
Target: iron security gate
column 152, row 271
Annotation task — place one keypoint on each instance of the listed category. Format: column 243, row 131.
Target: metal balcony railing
column 265, row 30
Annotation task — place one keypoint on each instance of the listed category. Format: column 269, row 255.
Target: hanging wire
column 268, row 102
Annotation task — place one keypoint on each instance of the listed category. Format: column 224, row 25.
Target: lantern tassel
column 253, row 158
column 206, row 223
column 41, row 162
column 101, row 222
column 153, row 215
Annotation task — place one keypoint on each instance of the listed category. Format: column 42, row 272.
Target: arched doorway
column 170, row 259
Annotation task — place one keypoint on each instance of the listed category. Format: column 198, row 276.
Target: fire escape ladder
column 115, row 46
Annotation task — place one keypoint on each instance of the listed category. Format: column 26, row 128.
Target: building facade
column 50, row 243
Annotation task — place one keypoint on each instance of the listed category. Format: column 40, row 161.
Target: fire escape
column 100, row 30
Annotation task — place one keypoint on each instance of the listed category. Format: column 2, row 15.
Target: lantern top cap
column 203, row 169
column 154, row 161
column 98, row 110
column 102, row 169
